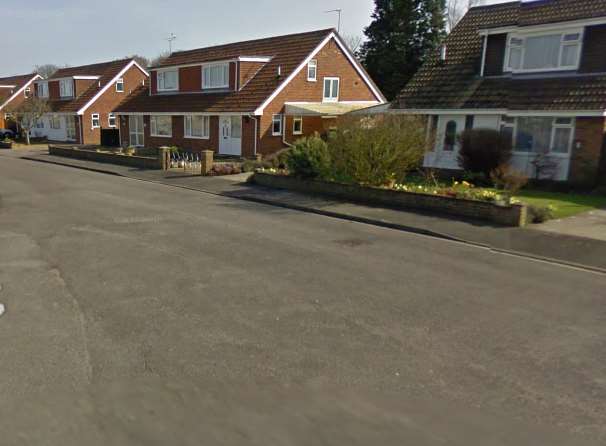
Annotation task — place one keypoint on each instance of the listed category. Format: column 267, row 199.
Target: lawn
column 564, row 204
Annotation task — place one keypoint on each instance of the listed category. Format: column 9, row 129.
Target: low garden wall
column 515, row 215
column 141, row 162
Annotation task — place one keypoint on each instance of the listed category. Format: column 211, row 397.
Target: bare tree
column 141, row 60
column 28, row 113
column 456, row 9
column 46, row 70
column 159, row 59
column 353, row 42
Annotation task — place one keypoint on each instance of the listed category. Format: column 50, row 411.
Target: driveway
column 139, row 314
column 589, row 224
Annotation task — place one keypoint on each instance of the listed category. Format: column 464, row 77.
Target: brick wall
column 331, row 63
column 108, row 102
column 190, row 79
column 585, row 161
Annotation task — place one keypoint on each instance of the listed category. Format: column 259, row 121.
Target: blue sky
column 75, row 32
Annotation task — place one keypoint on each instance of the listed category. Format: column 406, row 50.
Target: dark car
column 6, row 133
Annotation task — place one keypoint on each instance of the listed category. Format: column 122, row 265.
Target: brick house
column 248, row 98
column 536, row 70
column 13, row 91
column 82, row 100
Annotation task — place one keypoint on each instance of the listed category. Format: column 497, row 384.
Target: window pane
column 570, row 55
column 561, row 141
column 161, row 125
column 327, row 88
column 534, row 134
column 450, row 136
column 542, row 52
column 572, row 37
column 515, row 58
column 335, row 89
column 236, row 127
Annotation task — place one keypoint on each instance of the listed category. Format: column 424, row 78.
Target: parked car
column 6, row 133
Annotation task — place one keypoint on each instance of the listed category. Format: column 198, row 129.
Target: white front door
column 230, row 135
column 135, row 129
column 446, row 151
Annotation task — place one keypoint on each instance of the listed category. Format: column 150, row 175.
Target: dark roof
column 107, row 71
column 288, row 52
column 456, row 84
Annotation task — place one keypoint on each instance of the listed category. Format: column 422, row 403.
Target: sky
column 77, row 32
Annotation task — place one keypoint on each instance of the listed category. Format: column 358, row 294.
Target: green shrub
column 379, row 151
column 309, row 158
column 276, row 160
column 539, row 214
column 484, row 150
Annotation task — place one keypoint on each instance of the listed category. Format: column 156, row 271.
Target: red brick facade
column 331, row 62
column 587, row 150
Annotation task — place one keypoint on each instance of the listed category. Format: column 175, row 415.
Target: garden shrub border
column 514, row 215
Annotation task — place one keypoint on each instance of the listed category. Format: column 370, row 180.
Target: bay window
column 161, row 126
column 215, row 76
column 168, row 80
column 197, row 127
column 553, row 51
column 539, row 134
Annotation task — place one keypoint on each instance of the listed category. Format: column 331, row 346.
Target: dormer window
column 215, row 76
column 543, row 52
column 43, row 90
column 168, row 80
column 66, row 88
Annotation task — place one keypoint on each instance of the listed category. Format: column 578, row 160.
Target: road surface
column 141, row 314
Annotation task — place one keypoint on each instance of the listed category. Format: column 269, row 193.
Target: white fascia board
column 262, row 59
column 197, row 64
column 7, row 86
column 86, row 78
column 559, row 26
column 182, row 113
column 512, row 113
column 359, row 69
column 132, row 63
column 21, row 90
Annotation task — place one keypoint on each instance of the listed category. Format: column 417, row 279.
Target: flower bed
column 460, row 200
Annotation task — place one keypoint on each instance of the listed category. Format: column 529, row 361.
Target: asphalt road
column 140, row 314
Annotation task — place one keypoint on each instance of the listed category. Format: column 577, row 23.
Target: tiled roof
column 287, row 52
column 107, row 71
column 456, row 84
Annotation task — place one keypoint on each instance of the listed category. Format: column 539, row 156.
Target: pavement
column 140, row 314
column 578, row 242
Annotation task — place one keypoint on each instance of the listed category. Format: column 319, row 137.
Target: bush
column 539, row 214
column 309, row 158
column 276, row 160
column 484, row 150
column 378, row 152
column 509, row 180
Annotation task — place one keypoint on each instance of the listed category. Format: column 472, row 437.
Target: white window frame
column 206, row 127
column 331, row 79
column 95, row 117
column 27, row 92
column 212, row 65
column 120, row 82
column 554, row 126
column 111, row 116
column 162, row 73
column 153, row 126
column 55, row 119
column 274, row 119
column 563, row 43
column 313, row 64
column 63, row 83
column 42, row 90
column 296, row 119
